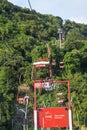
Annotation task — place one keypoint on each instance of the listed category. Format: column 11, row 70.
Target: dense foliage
column 23, row 38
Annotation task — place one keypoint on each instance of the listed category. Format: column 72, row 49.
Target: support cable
column 30, row 5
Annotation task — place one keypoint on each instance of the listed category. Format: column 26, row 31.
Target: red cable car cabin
column 23, row 94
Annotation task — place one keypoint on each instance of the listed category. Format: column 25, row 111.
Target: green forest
column 24, row 35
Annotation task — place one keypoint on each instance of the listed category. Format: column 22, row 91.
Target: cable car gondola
column 42, row 64
column 45, row 82
column 23, row 94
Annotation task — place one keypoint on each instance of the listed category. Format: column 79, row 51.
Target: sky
column 74, row 10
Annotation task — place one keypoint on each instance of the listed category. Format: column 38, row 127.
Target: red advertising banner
column 53, row 117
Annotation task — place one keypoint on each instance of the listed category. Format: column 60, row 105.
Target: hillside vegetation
column 23, row 38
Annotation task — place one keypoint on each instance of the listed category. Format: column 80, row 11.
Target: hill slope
column 23, row 38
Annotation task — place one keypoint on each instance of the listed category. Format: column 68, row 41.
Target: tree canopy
column 24, row 36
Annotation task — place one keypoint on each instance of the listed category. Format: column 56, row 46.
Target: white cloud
column 78, row 19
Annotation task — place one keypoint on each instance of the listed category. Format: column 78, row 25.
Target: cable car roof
column 41, row 62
